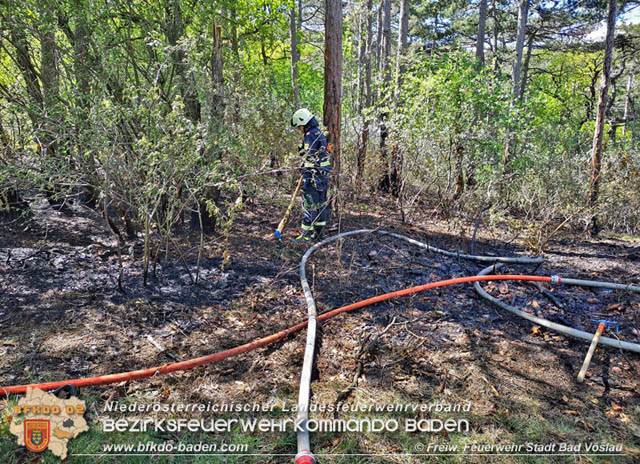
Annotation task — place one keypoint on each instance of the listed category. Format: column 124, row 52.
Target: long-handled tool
column 283, row 222
column 592, row 348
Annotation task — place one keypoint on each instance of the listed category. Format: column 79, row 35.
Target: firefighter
column 315, row 171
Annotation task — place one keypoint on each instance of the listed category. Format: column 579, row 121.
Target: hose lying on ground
column 216, row 357
column 304, row 453
column 563, row 329
column 305, row 456
column 255, row 344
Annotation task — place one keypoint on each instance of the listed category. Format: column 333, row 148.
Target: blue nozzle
column 608, row 324
column 277, row 234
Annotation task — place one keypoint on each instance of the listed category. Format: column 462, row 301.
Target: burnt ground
column 63, row 316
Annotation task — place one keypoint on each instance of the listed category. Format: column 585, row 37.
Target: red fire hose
column 259, row 343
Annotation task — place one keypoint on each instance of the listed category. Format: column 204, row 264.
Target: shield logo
column 36, row 434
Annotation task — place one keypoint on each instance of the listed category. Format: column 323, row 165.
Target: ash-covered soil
column 63, row 316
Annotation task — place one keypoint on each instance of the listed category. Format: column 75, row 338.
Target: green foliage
column 454, row 120
column 454, row 114
column 138, row 114
column 146, row 137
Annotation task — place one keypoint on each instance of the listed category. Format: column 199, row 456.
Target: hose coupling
column 555, row 280
column 305, row 457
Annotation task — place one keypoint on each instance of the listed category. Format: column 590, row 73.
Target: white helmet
column 301, row 117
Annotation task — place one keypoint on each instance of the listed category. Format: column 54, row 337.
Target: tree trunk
column 50, row 86
column 217, row 79
column 51, row 129
column 482, row 24
column 611, row 100
column 364, row 134
column 523, row 11
column 81, row 64
column 608, row 114
column 525, row 66
column 82, row 69
column 295, row 54
column 635, row 128
column 403, row 33
column 237, row 76
column 596, row 152
column 386, row 37
column 175, row 31
column 10, row 199
column 333, row 81
column 379, row 36
column 396, row 156
column 458, row 150
column 361, row 46
column 627, row 107
column 29, row 74
column 496, row 61
column 216, row 123
column 385, row 181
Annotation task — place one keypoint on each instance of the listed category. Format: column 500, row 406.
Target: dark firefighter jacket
column 315, row 157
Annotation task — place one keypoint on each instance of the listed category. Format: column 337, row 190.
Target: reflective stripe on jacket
column 314, row 153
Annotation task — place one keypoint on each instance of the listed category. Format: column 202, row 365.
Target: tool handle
column 592, row 348
column 285, row 218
